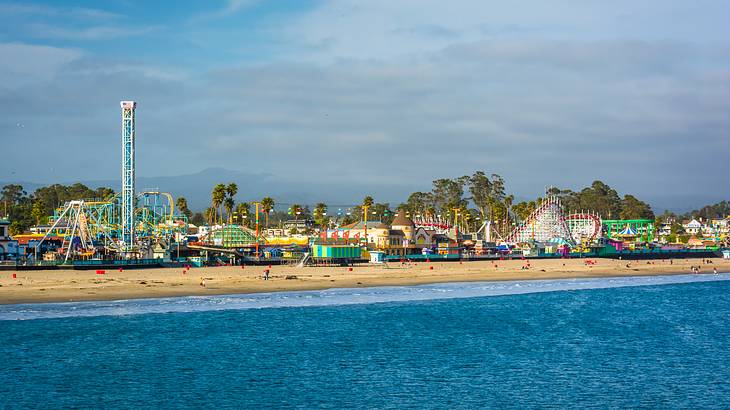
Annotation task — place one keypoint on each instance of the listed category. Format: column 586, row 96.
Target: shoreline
column 73, row 286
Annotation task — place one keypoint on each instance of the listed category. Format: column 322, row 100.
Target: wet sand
column 73, row 285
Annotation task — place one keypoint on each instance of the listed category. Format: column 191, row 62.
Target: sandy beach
column 74, row 285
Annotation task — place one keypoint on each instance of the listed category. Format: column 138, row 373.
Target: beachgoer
column 714, row 270
column 202, row 282
column 266, row 274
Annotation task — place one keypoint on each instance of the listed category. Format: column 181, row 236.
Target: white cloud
column 24, row 9
column 24, row 63
column 49, row 31
column 230, row 8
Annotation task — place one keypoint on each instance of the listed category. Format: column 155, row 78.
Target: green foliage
column 211, row 215
column 718, row 210
column 448, row 194
column 228, row 204
column 217, row 196
column 231, row 189
column 25, row 210
column 320, row 214
column 632, row 208
column 197, row 219
column 523, row 209
column 243, row 215
column 418, row 203
column 296, row 211
column 381, row 212
column 182, row 207
column 605, row 201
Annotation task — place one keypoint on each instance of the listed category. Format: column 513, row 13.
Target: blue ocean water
column 607, row 343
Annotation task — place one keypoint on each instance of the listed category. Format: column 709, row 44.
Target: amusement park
column 143, row 228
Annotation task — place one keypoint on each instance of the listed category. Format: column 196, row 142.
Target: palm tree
column 182, row 207
column 320, row 211
column 228, row 205
column 243, row 210
column 508, row 207
column 267, row 205
column 368, row 201
column 296, row 209
column 217, row 197
column 232, row 190
column 210, row 214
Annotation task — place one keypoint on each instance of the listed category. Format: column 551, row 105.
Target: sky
column 380, row 93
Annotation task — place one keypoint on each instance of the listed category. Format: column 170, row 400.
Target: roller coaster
column 91, row 229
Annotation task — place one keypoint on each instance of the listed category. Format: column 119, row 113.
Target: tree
column 13, row 194
column 602, row 199
column 418, row 203
column 632, row 208
column 367, row 201
column 231, row 189
column 448, row 194
column 523, row 209
column 480, row 188
column 507, row 207
column 296, row 210
column 320, row 215
column 382, row 212
column 182, row 207
column 228, row 204
column 197, row 219
column 217, row 197
column 243, row 211
column 17, row 207
column 718, row 210
column 267, row 205
column 56, row 195
column 104, row 193
column 38, row 212
column 210, row 215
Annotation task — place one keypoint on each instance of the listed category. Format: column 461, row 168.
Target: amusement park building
column 8, row 246
column 692, row 227
column 402, row 237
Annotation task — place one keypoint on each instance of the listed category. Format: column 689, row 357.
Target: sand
column 74, row 285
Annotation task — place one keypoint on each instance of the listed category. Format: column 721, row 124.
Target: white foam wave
column 331, row 297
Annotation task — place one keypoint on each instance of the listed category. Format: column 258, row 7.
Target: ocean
column 655, row 342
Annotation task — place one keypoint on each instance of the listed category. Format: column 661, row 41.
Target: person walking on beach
column 266, row 274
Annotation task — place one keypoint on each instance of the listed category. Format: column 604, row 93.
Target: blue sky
column 386, row 94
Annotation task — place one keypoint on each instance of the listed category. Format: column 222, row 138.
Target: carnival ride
column 91, row 228
column 434, row 223
column 127, row 225
column 585, row 227
column 641, row 229
column 547, row 223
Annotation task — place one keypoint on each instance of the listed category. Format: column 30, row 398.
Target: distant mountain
column 196, row 188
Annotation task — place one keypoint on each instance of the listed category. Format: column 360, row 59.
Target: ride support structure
column 546, row 223
column 128, row 177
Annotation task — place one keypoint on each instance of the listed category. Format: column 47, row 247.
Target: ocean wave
column 333, row 297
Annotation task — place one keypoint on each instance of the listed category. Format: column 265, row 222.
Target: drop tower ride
column 128, row 178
